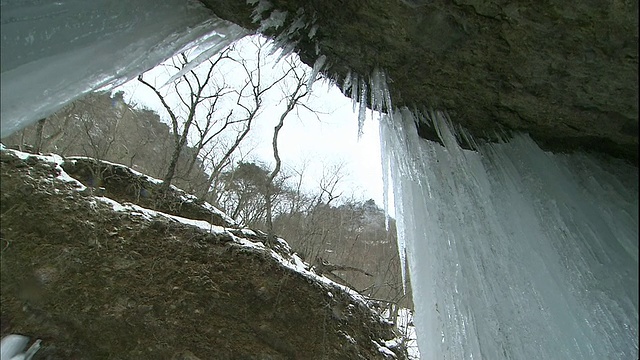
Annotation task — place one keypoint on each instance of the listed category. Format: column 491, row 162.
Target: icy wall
column 55, row 51
column 515, row 253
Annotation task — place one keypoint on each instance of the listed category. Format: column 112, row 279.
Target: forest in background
column 344, row 238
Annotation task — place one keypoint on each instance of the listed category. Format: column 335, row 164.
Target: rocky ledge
column 564, row 72
column 94, row 275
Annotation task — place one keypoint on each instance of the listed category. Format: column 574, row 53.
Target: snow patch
column 53, row 159
column 384, row 350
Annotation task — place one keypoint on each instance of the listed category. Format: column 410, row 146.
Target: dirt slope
column 94, row 283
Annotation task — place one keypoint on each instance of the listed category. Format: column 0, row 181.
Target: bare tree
column 249, row 101
column 328, row 183
column 294, row 97
column 243, row 193
column 202, row 93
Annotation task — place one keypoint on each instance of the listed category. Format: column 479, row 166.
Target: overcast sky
column 321, row 141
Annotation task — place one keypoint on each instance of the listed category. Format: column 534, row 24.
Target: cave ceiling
column 564, row 72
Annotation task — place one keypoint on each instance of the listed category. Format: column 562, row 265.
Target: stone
column 564, row 72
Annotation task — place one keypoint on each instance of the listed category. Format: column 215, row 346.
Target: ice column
column 515, row 253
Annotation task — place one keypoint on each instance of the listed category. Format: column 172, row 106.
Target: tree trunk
column 269, row 213
column 171, row 170
column 39, row 130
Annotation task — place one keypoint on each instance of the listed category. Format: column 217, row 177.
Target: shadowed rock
column 564, row 72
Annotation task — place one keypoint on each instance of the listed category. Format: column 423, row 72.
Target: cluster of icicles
column 490, row 277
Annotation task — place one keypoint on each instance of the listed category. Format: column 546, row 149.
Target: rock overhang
column 565, row 73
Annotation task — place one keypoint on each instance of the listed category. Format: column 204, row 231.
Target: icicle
column 275, row 20
column 386, row 169
column 263, row 6
column 363, row 106
column 377, row 95
column 298, row 24
column 354, row 92
column 330, row 80
column 380, row 96
column 386, row 94
column 285, row 40
column 317, row 66
column 209, row 48
column 346, row 85
column 513, row 251
column 313, row 30
column 285, row 50
column 443, row 130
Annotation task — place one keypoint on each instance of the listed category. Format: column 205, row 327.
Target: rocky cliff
column 96, row 273
column 564, row 72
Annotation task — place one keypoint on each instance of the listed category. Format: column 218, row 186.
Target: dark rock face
column 565, row 72
column 94, row 283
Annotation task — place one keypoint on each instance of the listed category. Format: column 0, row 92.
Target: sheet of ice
column 55, row 51
column 515, row 253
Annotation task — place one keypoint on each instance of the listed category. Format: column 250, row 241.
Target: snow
column 349, row 338
column 515, row 253
column 291, row 261
column 53, row 159
column 384, row 350
column 208, row 207
column 73, row 159
column 184, row 197
column 148, row 214
column 249, row 232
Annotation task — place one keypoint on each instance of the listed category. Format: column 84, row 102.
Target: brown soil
column 93, row 283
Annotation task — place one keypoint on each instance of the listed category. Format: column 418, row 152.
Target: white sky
column 325, row 140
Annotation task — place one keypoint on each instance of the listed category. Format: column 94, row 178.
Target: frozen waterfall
column 55, row 51
column 515, row 253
